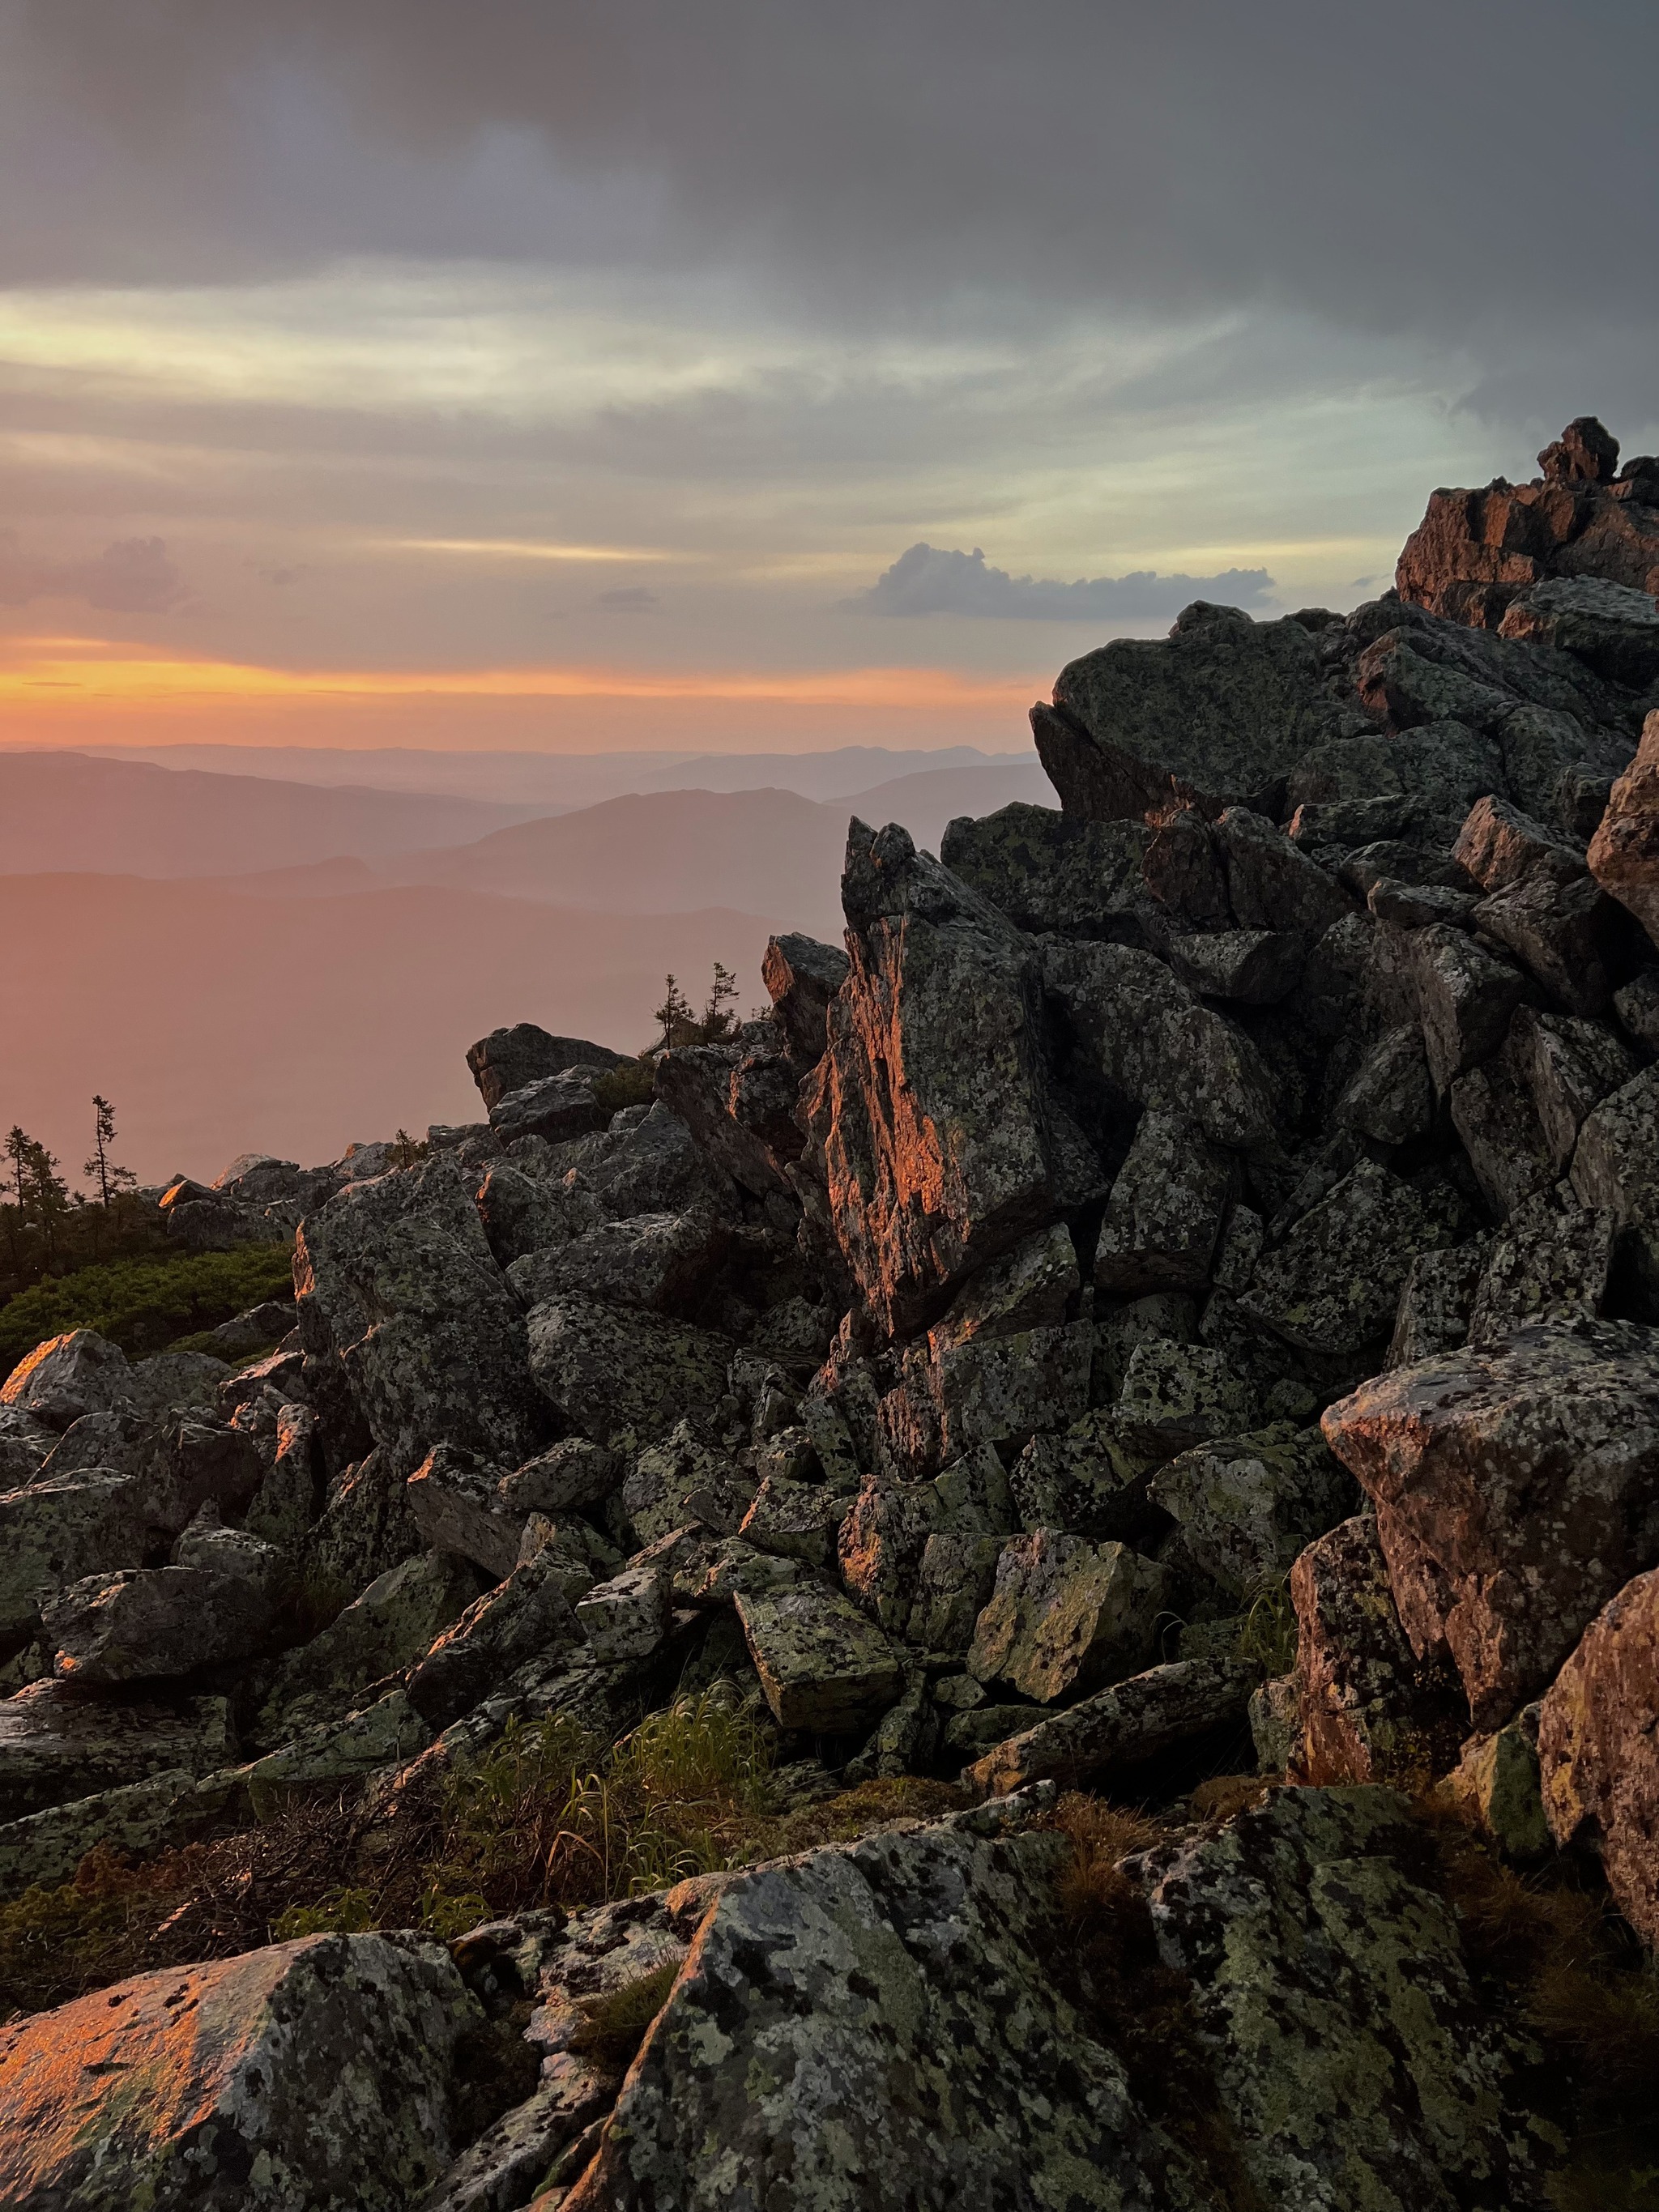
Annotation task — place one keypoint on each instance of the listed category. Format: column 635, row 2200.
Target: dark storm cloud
column 928, row 580
column 1459, row 169
column 134, row 577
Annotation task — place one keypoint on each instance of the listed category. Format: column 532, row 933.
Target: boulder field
column 1132, row 1395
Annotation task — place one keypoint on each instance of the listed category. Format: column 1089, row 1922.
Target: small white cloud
column 928, row 580
column 134, row 576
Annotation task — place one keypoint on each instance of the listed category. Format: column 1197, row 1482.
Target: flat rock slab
column 606, row 1370
column 1517, row 1490
column 1132, row 1720
column 823, row 1665
column 58, row 1744
column 877, row 2026
column 309, row 2077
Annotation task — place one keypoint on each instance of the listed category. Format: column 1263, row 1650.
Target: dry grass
column 613, row 2025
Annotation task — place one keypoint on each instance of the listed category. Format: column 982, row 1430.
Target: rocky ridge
column 1177, row 1293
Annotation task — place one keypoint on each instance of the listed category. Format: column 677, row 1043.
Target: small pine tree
column 717, row 1022
column 100, row 1168
column 675, row 1018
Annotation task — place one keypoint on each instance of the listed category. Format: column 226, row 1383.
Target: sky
column 765, row 374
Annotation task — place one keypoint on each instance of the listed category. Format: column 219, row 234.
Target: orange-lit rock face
column 1598, row 1753
column 1516, row 1489
column 1623, row 856
column 309, row 2077
column 927, row 1109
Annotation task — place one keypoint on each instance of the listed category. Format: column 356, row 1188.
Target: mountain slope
column 222, row 1023
column 71, row 810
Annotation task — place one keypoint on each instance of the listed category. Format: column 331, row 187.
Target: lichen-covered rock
column 507, row 1059
column 953, row 1582
column 876, row 2024
column 1517, row 1488
column 395, row 1278
column 796, row 1520
column 1499, row 845
column 1146, row 1036
column 1331, row 1289
column 54, row 1532
column 1352, row 2053
column 57, row 1745
column 1368, row 1709
column 928, row 1112
column 1436, row 1301
column 823, row 1666
column 684, row 1479
column 1132, row 1720
column 151, row 1622
column 1064, row 1615
column 314, row 2076
column 1624, row 854
column 738, row 1100
column 456, row 1504
column 46, row 1847
column 1494, row 1115
column 995, row 1389
column 1165, row 1217
column 25, row 1443
column 1557, row 931
column 663, row 1261
column 1612, row 628
column 1177, row 1396
column 1086, row 1480
column 625, row 1618
column 881, row 1542
column 1465, row 997
column 1390, row 1097
column 1568, row 1067
column 397, row 1618
column 608, row 1372
column 336, row 1755
column 1616, row 1167
column 1550, row 1262
column 1245, row 1505
column 526, row 1615
column 554, row 1108
column 801, row 976
column 1496, row 1786
column 1598, row 1753
column 1221, row 712
column 67, row 1377
column 1047, row 871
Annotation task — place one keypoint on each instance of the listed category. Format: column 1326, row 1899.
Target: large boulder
column 54, row 1532
column 1367, row 1709
column 1624, row 854
column 823, row 1666
column 1615, row 1169
column 607, row 1371
column 801, row 977
column 390, row 1625
column 928, row 1113
column 507, row 1059
column 1597, row 1754
column 1516, row 1489
column 1220, row 713
column 1123, row 1726
column 314, row 2076
column 67, row 1375
column 1353, row 2056
column 1475, row 554
column 1065, row 1614
column 57, row 1744
column 396, row 1278
column 1047, row 871
column 877, row 2024
column 1610, row 628
column 151, row 1622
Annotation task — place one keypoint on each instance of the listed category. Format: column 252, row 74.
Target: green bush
column 633, row 1084
column 145, row 1305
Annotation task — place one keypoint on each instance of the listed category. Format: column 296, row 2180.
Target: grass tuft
column 613, row 2025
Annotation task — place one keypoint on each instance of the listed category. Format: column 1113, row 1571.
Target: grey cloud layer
column 934, row 159
column 134, row 576
column 927, row 580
